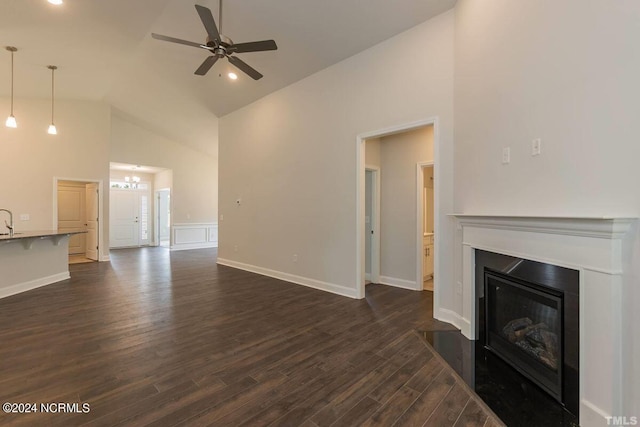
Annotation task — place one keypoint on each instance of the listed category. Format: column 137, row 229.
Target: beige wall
column 194, row 174
column 31, row 158
column 399, row 155
column 291, row 156
column 566, row 72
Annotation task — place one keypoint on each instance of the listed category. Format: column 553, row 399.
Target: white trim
column 420, row 220
column 375, row 219
column 194, row 236
column 299, row 280
column 103, row 250
column 400, row 283
column 33, row 284
column 452, row 317
column 360, row 192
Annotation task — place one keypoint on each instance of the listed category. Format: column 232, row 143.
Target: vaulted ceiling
column 104, row 51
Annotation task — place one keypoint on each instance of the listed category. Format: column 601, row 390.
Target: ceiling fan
column 221, row 46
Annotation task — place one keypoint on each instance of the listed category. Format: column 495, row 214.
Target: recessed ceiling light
column 56, row 2
column 233, row 76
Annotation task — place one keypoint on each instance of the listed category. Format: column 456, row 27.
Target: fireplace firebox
column 529, row 317
column 524, row 327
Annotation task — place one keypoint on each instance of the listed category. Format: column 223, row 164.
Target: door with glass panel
column 129, row 218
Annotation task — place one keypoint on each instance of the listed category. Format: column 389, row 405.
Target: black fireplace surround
column 528, row 315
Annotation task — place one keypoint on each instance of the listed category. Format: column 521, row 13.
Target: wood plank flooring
column 167, row 339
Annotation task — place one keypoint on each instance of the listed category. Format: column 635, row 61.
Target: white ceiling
column 104, row 50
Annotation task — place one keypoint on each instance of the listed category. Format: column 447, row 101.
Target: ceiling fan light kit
column 220, row 46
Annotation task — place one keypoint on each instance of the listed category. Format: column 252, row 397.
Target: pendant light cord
column 52, row 77
column 12, row 82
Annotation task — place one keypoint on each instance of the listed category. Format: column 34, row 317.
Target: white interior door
column 72, row 214
column 92, row 220
column 124, row 225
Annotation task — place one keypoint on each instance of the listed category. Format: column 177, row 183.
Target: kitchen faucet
column 9, row 226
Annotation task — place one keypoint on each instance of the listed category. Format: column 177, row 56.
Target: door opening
column 77, row 207
column 399, row 265
column 426, row 233
column 163, row 219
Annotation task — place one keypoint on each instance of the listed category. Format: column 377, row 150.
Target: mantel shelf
column 607, row 227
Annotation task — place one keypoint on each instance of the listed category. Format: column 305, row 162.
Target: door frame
column 375, row 223
column 156, row 206
column 360, row 202
column 102, row 256
column 420, row 222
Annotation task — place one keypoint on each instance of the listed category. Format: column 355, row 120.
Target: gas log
column 534, row 339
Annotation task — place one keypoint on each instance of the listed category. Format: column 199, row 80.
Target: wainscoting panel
column 194, row 236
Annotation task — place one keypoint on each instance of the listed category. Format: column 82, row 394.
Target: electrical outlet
column 25, row 217
column 221, row 217
column 459, row 288
column 536, row 147
column 506, row 155
column 295, row 257
column 235, row 248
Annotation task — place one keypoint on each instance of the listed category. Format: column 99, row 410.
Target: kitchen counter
column 30, row 259
column 42, row 234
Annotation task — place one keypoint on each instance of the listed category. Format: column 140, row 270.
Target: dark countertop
column 42, row 234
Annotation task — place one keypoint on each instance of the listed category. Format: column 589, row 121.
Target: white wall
column 398, row 233
column 194, row 174
column 291, row 156
column 31, row 158
column 566, row 72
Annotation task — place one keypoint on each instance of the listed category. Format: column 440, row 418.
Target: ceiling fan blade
column 174, row 40
column 243, row 66
column 209, row 23
column 206, row 65
column 254, row 46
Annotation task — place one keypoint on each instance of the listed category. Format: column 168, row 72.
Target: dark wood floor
column 163, row 339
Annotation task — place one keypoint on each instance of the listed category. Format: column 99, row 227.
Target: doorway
column 415, row 280
column 426, row 234
column 163, row 219
column 77, row 207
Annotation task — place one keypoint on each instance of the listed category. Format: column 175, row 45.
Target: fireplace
column 530, row 319
column 595, row 251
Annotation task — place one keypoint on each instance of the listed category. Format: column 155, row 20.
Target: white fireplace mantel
column 594, row 247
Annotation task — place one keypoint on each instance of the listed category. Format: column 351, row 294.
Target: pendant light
column 52, row 127
column 11, row 120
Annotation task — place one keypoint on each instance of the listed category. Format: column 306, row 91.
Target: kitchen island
column 31, row 259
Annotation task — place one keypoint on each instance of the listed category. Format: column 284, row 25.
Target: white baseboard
column 194, row 236
column 33, row 284
column 455, row 319
column 299, row 280
column 189, row 246
column 400, row 283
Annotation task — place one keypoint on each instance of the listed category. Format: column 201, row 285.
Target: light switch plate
column 25, row 217
column 506, row 155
